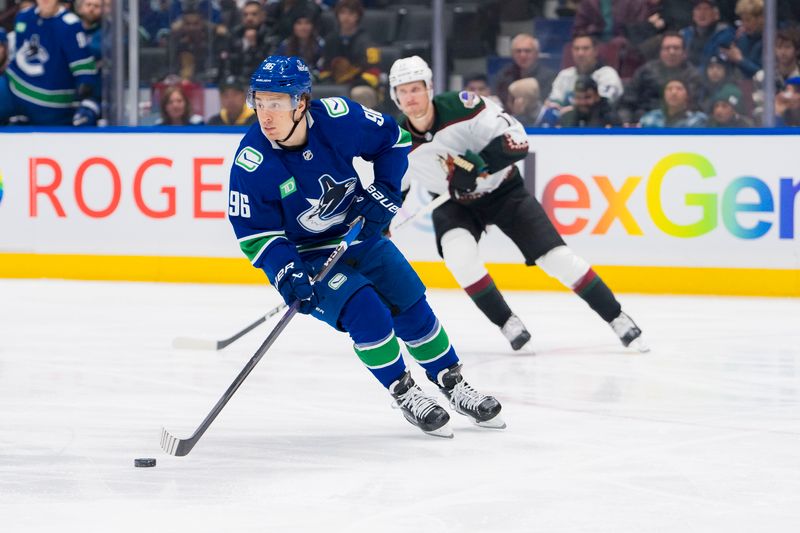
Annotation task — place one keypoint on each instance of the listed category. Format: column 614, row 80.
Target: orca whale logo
column 326, row 211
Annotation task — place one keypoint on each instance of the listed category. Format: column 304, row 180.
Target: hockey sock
column 425, row 338
column 369, row 324
column 489, row 300
column 596, row 293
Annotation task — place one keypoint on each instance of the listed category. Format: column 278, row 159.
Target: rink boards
column 696, row 214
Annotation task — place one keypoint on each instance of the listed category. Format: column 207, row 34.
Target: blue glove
column 294, row 284
column 377, row 206
column 86, row 114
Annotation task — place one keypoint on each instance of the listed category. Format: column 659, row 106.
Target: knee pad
column 365, row 317
column 562, row 263
column 460, row 252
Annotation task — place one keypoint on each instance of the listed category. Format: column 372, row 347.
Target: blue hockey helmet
column 281, row 74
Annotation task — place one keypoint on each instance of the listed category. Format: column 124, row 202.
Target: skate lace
column 417, row 402
column 465, row 396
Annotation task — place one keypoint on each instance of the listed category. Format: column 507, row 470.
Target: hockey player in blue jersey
column 52, row 78
column 293, row 190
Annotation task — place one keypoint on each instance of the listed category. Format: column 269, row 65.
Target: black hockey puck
column 147, row 462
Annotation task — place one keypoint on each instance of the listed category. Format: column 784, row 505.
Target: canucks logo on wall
column 326, row 211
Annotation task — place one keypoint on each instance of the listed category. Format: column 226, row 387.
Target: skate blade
column 444, row 432
column 495, row 423
column 525, row 349
column 638, row 344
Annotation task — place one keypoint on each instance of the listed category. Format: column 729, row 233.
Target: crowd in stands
column 607, row 63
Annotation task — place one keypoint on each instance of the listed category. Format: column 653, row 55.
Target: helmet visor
column 271, row 102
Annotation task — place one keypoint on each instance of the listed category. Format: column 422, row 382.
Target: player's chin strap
column 296, row 122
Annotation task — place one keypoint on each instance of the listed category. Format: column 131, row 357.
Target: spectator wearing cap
column 675, row 110
column 587, row 63
column 787, row 104
column 304, row 41
column 716, row 74
column 589, row 109
column 726, row 109
column 706, row 34
column 345, row 56
column 645, row 90
column 746, row 51
column 524, row 64
column 233, row 100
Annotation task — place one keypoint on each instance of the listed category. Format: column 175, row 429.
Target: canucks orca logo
column 327, row 211
column 32, row 56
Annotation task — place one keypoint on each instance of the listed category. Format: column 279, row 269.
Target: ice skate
column 419, row 409
column 516, row 333
column 628, row 332
column 483, row 410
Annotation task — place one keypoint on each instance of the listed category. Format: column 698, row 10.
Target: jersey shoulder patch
column 70, row 18
column 249, row 158
column 335, row 106
column 469, row 99
column 450, row 106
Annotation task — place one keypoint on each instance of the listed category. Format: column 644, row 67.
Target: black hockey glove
column 294, row 283
column 377, row 206
column 463, row 174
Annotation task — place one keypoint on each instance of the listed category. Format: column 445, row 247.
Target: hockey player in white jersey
column 293, row 190
column 465, row 147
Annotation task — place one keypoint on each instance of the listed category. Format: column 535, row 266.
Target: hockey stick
column 192, row 343
column 180, row 447
column 422, row 211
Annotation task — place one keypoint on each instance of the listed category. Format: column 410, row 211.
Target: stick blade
column 173, row 445
column 190, row 343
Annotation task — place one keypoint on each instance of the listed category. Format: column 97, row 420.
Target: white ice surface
column 700, row 435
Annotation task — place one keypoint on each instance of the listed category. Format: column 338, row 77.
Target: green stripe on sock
column 590, row 286
column 432, row 348
column 381, row 355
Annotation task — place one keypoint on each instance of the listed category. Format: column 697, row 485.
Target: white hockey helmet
column 407, row 70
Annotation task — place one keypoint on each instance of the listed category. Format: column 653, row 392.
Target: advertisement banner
column 705, row 201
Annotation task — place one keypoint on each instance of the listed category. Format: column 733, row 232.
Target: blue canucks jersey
column 285, row 202
column 52, row 60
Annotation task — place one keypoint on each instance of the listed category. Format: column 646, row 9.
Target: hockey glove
column 464, row 171
column 378, row 206
column 86, row 114
column 294, row 284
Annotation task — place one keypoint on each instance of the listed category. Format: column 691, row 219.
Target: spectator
column 644, row 91
column 707, row 34
column 589, row 109
column 746, row 51
column 525, row 104
column 345, row 55
column 787, row 104
column 249, row 43
column 717, row 74
column 479, row 84
column 176, row 110
column 3, row 50
column 154, row 22
column 525, row 57
column 726, row 109
column 193, row 44
column 282, row 13
column 210, row 9
column 90, row 12
column 787, row 65
column 675, row 111
column 304, row 42
column 584, row 55
column 606, row 19
column 662, row 16
column 233, row 100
